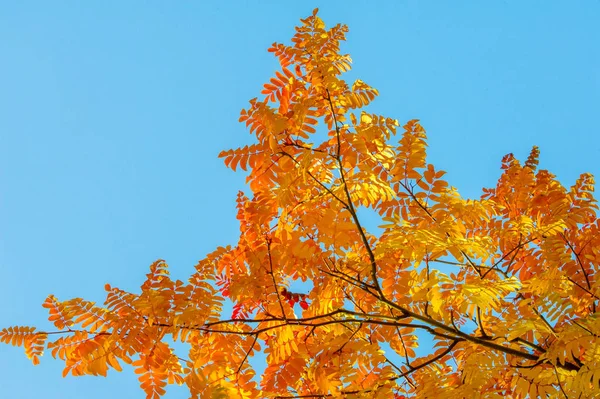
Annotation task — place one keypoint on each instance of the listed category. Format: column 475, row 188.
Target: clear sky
column 112, row 114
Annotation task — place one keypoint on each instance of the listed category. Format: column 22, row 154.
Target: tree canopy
column 504, row 286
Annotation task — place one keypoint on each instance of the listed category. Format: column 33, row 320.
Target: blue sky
column 112, row 115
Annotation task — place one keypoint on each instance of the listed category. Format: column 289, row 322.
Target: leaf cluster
column 505, row 286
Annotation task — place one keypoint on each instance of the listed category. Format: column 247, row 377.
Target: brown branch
column 538, row 314
column 559, row 383
column 273, row 278
column 476, row 340
column 480, row 323
column 354, row 392
column 303, row 147
column 316, row 180
column 434, row 359
column 468, row 265
column 517, row 248
column 530, row 344
column 585, row 274
column 350, row 205
column 583, row 288
column 349, row 279
column 247, row 354
column 424, row 208
column 403, row 347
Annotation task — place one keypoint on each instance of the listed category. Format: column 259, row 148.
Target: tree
column 504, row 286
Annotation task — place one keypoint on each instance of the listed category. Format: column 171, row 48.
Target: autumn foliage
column 501, row 292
